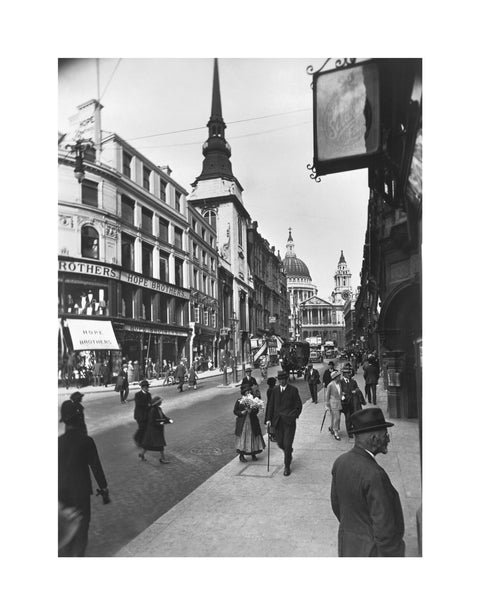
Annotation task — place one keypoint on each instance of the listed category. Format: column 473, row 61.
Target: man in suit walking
column 333, row 402
column 143, row 401
column 248, row 381
column 349, row 398
column 362, row 497
column 77, row 455
column 371, row 374
column 313, row 378
column 283, row 409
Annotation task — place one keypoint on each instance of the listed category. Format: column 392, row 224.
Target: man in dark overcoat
column 350, row 400
column 143, row 401
column 362, row 497
column 327, row 374
column 313, row 379
column 180, row 373
column 371, row 374
column 77, row 455
column 283, row 409
column 248, row 381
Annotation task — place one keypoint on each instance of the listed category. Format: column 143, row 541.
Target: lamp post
column 79, row 148
column 233, row 323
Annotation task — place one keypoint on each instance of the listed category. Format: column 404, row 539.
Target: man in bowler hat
column 143, row 401
column 77, row 455
column 283, row 409
column 363, row 498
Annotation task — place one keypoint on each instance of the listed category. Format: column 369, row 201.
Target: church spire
column 216, row 150
column 290, row 245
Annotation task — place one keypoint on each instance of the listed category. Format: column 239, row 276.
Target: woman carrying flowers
column 248, row 433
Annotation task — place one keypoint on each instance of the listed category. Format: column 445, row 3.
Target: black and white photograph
column 215, row 267
column 245, row 369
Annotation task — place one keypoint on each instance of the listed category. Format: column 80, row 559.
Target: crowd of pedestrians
column 362, row 497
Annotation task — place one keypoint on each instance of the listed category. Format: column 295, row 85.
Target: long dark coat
column 287, row 405
column 154, row 437
column 367, row 506
column 77, row 455
column 241, row 418
column 142, row 406
column 122, row 382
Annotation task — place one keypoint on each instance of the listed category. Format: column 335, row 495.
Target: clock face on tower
column 345, row 294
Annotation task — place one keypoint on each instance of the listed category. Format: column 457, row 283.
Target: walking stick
column 268, row 449
column 324, row 415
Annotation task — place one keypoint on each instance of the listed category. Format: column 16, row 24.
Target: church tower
column 217, row 194
column 343, row 282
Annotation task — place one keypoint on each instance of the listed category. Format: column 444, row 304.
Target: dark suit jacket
column 367, row 506
column 142, row 406
column 327, row 378
column 312, row 377
column 287, row 405
column 77, row 454
column 370, row 372
column 246, row 381
column 351, row 402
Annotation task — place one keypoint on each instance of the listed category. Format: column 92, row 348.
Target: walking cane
column 268, row 449
column 324, row 415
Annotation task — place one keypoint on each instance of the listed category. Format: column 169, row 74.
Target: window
column 89, row 242
column 128, row 210
column 203, row 233
column 128, row 244
column 83, row 298
column 178, row 237
column 212, row 218
column 240, row 235
column 194, row 226
column 163, row 308
column 147, row 217
column 196, row 315
column 212, row 264
column 163, row 190
column 212, row 288
column 195, row 250
column 195, row 279
column 146, row 177
column 163, row 230
column 214, row 320
column 206, row 320
column 127, row 164
column 204, row 287
column 204, row 257
column 147, row 300
column 178, row 272
column 128, row 296
column 178, row 197
column 163, row 266
column 147, row 259
column 90, row 193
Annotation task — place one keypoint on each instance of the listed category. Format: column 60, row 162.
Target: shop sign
column 154, row 331
column 346, row 117
column 103, row 271
column 132, row 278
column 92, row 334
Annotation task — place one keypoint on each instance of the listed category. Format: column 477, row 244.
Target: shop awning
column 92, row 334
column 260, row 351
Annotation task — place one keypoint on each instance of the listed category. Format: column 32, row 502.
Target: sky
column 145, row 97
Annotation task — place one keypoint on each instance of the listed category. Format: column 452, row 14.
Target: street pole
column 225, row 375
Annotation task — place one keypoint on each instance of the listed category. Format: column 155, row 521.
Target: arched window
column 211, row 216
column 89, row 242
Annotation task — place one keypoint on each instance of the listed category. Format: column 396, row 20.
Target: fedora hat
column 248, row 369
column 144, row 383
column 334, row 374
column 282, row 374
column 368, row 419
column 156, row 400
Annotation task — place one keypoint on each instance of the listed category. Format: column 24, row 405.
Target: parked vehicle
column 294, row 357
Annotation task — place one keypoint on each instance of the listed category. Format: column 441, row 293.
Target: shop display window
column 84, row 300
column 128, row 297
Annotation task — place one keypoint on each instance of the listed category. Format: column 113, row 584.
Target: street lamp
column 233, row 323
column 80, row 147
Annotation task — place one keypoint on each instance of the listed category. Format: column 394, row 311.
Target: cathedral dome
column 295, row 267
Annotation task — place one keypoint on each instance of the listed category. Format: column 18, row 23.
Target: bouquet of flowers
column 251, row 403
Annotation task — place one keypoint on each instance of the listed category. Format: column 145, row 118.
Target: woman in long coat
column 248, row 433
column 154, row 438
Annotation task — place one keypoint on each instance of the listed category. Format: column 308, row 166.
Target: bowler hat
column 156, row 400
column 334, row 374
column 68, row 411
column 77, row 396
column 282, row 374
column 144, row 383
column 331, row 363
column 368, row 419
